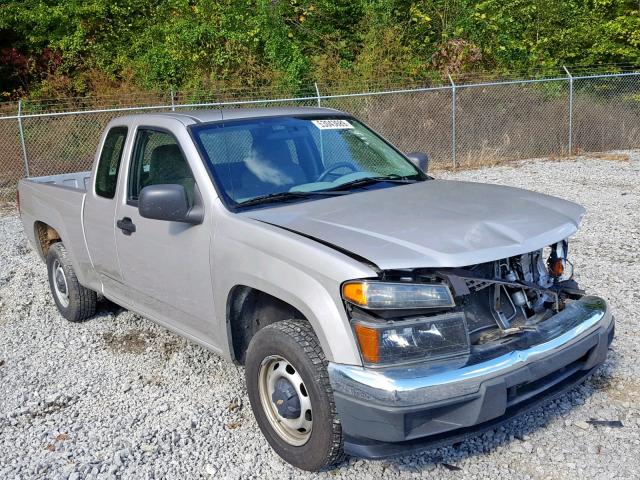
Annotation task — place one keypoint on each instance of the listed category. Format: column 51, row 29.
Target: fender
column 294, row 269
column 60, row 208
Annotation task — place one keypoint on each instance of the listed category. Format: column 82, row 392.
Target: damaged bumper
column 391, row 411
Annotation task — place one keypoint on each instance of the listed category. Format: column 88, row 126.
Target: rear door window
column 109, row 163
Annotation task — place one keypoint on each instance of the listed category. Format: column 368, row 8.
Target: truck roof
column 212, row 115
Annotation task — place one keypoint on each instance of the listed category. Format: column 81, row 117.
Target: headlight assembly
column 415, row 339
column 397, row 295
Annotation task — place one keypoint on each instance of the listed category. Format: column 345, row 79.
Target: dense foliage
column 74, row 47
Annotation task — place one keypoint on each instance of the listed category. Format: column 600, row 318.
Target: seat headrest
column 167, row 164
column 275, row 151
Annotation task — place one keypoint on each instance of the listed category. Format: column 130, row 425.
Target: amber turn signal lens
column 369, row 341
column 556, row 267
column 355, row 292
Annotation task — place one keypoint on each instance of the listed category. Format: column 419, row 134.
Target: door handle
column 126, row 225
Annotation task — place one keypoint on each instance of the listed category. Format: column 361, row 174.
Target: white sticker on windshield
column 332, row 124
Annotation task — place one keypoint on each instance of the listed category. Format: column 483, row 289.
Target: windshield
column 291, row 158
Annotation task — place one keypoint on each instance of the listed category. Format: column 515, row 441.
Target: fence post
column 570, row 109
column 453, row 122
column 24, row 146
column 315, row 84
column 173, row 105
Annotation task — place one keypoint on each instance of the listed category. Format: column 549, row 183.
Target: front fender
column 293, row 268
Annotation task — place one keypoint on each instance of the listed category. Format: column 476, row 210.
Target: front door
column 165, row 264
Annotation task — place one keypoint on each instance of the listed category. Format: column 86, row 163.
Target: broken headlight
column 415, row 339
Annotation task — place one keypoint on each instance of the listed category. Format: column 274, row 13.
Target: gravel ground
column 118, row 396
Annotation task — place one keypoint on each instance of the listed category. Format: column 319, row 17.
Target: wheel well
column 249, row 310
column 46, row 236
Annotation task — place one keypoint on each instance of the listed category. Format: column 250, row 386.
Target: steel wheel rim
column 294, row 431
column 60, row 285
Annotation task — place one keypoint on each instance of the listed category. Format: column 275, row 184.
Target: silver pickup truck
column 377, row 310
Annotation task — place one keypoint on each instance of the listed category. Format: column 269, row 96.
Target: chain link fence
column 459, row 125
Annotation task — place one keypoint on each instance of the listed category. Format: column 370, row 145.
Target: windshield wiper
column 337, row 190
column 360, row 182
column 283, row 196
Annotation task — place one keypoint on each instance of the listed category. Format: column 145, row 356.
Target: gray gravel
column 118, row 396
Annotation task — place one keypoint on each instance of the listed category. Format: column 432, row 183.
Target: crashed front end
column 450, row 352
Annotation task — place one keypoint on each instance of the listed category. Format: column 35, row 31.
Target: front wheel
column 75, row 302
column 291, row 397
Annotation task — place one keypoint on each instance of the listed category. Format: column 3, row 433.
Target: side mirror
column 420, row 160
column 169, row 202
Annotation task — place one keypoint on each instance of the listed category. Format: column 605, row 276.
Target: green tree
column 70, row 47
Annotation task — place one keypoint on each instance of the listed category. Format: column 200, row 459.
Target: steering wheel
column 335, row 166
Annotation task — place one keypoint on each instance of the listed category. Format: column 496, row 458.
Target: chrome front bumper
column 401, row 403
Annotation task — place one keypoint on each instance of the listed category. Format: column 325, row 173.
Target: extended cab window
column 109, row 164
column 157, row 159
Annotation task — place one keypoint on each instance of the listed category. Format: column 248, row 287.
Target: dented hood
column 437, row 223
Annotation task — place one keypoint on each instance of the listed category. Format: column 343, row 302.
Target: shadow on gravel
column 134, row 341
column 107, row 307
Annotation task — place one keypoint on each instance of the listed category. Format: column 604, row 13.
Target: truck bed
column 57, row 201
column 76, row 180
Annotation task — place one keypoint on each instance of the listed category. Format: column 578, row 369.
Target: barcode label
column 332, row 124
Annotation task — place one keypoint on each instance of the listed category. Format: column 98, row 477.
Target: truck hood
column 436, row 223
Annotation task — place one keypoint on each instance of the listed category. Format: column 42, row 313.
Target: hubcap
column 60, row 283
column 285, row 400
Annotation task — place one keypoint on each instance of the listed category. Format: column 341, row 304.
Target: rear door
column 164, row 264
column 99, row 211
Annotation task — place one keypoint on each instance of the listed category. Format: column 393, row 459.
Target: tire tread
column 82, row 301
column 298, row 335
column 302, row 333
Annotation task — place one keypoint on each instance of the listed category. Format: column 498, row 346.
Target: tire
column 273, row 349
column 75, row 302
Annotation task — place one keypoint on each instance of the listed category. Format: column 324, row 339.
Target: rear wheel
column 75, row 302
column 291, row 397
